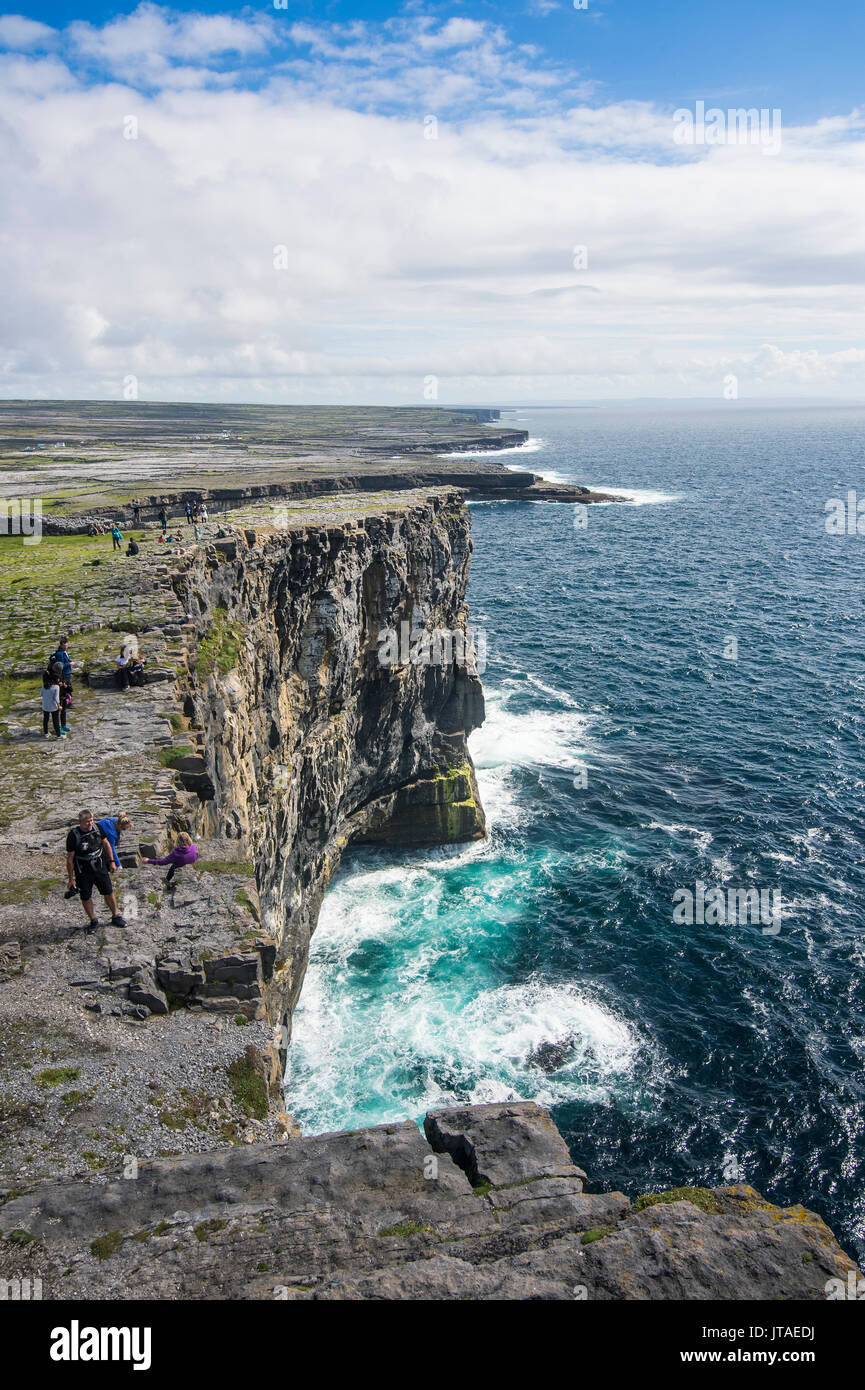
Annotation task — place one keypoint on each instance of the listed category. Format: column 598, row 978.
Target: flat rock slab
column 376, row 1214
column 501, row 1144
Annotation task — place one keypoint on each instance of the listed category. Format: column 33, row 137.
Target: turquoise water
column 624, row 758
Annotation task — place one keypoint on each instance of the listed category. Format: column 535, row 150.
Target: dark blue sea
column 676, row 696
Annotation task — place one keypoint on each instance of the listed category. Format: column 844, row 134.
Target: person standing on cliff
column 62, row 658
column 163, row 519
column 51, row 702
column 88, row 855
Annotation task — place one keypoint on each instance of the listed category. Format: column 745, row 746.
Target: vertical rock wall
column 310, row 741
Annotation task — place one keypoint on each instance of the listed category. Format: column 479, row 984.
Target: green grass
column 404, row 1228
column 219, row 650
column 701, row 1197
column 596, row 1233
column 72, row 1099
column 248, row 1086
column 169, row 756
column 205, row 1229
column 20, row 1237
column 55, row 1076
column 226, row 866
column 103, row 1247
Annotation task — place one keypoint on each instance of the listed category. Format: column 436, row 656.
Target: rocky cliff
column 142, row 1154
column 486, row 1204
column 325, row 731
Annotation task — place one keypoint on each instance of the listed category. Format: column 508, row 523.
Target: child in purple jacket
column 185, row 853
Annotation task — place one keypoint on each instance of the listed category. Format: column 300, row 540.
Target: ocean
column 675, row 701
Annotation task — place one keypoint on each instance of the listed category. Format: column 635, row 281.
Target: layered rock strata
column 486, row 1205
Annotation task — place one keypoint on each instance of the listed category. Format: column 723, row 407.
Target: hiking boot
column 118, row 921
column 91, row 925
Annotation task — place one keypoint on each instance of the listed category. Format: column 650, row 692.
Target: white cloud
column 406, row 256
column 20, row 34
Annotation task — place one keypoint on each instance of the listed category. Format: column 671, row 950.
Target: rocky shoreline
column 144, row 1146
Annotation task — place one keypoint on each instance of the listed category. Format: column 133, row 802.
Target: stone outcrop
column 310, row 741
column 384, row 1213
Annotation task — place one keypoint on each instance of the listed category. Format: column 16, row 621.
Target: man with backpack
column 87, row 850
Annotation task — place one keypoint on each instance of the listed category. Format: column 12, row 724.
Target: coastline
column 267, row 732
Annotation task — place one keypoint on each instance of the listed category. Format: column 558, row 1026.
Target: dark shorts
column 90, row 876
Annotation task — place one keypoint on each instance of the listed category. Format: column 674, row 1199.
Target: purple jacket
column 184, row 854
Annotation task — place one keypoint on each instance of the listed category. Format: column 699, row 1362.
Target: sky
column 472, row 203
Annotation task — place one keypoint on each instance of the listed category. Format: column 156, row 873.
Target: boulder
column 501, row 1144
column 143, row 990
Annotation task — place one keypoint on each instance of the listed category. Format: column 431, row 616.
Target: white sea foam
column 549, row 475
column 638, row 496
column 531, row 446
column 471, row 1054
column 546, row 738
column 562, row 695
column 702, row 838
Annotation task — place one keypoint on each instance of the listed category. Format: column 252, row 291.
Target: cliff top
column 95, row 454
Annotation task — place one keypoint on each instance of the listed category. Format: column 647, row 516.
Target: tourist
column 50, row 704
column 204, row 514
column 123, row 663
column 136, row 511
column 185, row 853
column 116, row 537
column 62, row 658
column 65, row 697
column 188, row 512
column 196, row 511
column 87, row 851
column 163, row 519
column 136, row 669
column 112, row 827
column 196, row 531
column 132, row 548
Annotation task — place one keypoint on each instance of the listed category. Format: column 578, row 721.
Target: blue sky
column 401, row 203
column 806, row 57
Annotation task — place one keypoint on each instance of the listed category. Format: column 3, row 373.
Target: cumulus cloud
column 243, row 208
column 21, row 34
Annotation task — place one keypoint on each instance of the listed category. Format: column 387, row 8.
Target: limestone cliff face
column 311, row 742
